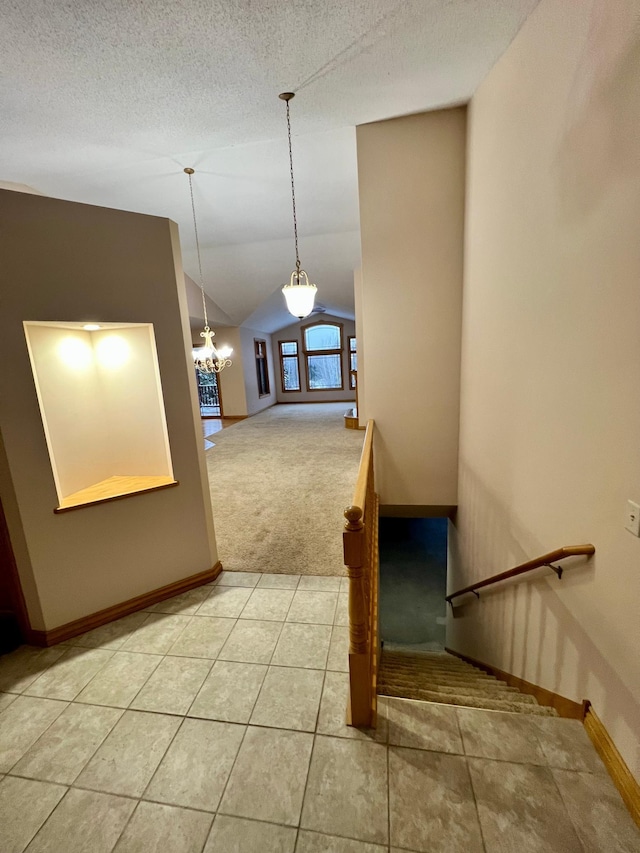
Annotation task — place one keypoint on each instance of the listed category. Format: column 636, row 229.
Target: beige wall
column 550, row 418
column 255, row 403
column 360, row 334
column 239, row 382
column 294, row 333
column 215, row 314
column 71, row 262
column 231, row 379
column 411, row 174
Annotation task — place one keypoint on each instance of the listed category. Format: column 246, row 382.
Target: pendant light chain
column 195, row 228
column 299, row 294
column 293, row 194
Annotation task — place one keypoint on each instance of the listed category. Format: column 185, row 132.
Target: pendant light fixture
column 207, row 359
column 299, row 293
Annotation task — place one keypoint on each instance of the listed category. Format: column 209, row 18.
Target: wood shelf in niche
column 113, row 489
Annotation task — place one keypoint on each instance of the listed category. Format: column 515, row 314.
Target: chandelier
column 299, row 294
column 207, row 358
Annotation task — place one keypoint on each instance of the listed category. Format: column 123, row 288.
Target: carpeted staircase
column 441, row 677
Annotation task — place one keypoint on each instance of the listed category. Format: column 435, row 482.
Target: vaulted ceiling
column 106, row 101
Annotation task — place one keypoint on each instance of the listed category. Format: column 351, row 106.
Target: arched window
column 323, row 356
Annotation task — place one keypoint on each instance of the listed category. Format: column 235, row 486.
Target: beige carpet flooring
column 279, row 484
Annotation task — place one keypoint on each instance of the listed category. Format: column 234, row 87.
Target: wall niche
column 100, row 397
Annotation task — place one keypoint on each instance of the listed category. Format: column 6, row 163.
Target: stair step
column 472, row 675
column 444, row 677
column 506, row 693
column 490, row 704
column 440, row 677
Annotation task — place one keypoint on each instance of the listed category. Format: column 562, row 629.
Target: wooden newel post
column 354, row 541
column 354, row 558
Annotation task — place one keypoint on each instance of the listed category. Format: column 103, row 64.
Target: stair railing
column 546, row 560
column 360, row 542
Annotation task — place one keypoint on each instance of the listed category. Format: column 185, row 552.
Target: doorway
column 13, row 615
column 413, row 582
column 209, row 395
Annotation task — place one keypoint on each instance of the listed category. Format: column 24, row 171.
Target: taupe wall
column 255, row 403
column 362, row 344
column 411, row 175
column 215, row 314
column 232, row 388
column 550, row 418
column 294, row 333
column 71, row 262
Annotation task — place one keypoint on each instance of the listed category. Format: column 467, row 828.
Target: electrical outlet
column 632, row 520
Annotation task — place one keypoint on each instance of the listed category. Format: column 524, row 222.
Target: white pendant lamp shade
column 299, row 294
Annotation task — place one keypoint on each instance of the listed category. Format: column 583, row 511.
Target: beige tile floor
column 214, row 723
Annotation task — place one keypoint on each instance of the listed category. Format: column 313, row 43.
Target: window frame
column 350, row 352
column 307, row 353
column 297, row 358
column 257, row 342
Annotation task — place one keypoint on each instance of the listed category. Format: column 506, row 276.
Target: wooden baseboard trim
column 620, row 774
column 117, row 611
column 565, row 707
column 416, row 511
column 311, row 402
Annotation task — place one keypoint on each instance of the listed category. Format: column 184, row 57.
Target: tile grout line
column 226, row 784
column 76, row 700
column 199, row 691
column 68, row 703
column 48, row 818
column 177, row 714
column 388, row 747
column 126, row 824
column 164, row 754
column 68, row 653
column 475, row 803
column 573, row 824
column 304, row 791
column 160, row 619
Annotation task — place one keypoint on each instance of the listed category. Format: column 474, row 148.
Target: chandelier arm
column 293, row 192
column 195, row 228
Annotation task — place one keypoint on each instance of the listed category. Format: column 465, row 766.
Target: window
column 262, row 368
column 323, row 355
column 353, row 362
column 289, row 365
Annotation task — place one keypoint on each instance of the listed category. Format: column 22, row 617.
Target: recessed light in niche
column 91, row 327
column 112, row 351
column 75, row 353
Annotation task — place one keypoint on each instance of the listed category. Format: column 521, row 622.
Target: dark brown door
column 12, row 611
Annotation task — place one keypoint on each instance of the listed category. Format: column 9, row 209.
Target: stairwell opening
column 413, row 581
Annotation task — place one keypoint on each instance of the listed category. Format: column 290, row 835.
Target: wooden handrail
column 539, row 562
column 353, row 514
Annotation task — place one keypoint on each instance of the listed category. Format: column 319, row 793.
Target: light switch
column 632, row 522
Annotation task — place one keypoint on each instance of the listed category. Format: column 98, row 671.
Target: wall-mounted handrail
column 538, row 563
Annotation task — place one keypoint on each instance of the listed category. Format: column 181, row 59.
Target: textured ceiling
column 106, row 101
